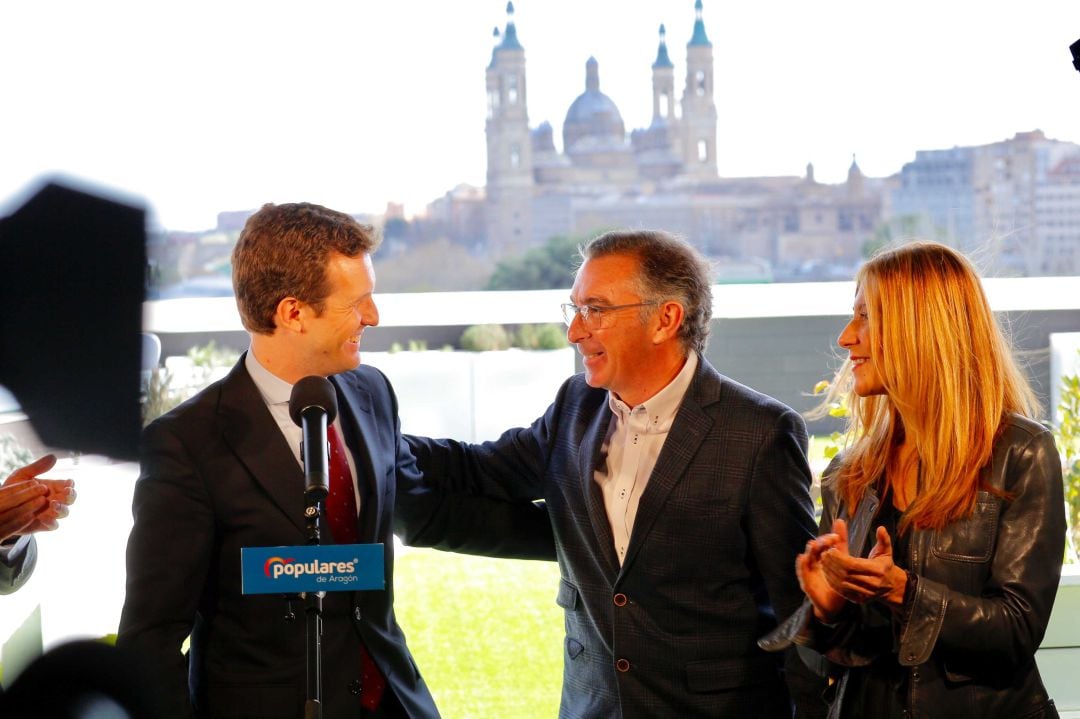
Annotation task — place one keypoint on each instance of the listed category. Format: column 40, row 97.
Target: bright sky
column 213, row 105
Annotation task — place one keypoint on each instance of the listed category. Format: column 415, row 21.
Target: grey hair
column 670, row 270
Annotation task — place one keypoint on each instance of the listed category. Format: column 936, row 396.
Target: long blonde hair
column 949, row 376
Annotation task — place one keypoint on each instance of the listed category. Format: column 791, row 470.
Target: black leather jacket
column 985, row 587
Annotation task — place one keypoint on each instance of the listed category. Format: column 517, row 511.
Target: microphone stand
column 313, row 406
column 315, row 491
column 313, row 609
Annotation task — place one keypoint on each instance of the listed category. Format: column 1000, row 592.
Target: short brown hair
column 283, row 251
column 670, row 269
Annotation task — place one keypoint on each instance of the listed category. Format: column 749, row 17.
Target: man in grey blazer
column 679, row 500
column 223, row 471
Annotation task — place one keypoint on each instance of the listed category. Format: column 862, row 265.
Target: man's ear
column 669, row 317
column 288, row 315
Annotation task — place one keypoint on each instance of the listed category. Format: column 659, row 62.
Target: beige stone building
column 664, row 175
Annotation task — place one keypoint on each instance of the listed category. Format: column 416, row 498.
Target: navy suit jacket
column 710, row 564
column 217, row 475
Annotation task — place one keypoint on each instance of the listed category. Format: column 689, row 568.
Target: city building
column 1057, row 217
column 1006, row 203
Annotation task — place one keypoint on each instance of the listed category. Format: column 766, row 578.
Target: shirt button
column 623, row 665
column 619, row 599
column 357, row 614
column 354, row 687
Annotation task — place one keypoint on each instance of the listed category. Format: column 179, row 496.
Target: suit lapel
column 589, row 459
column 690, row 428
column 361, row 434
column 254, row 436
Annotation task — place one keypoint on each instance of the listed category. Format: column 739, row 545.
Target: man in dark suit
column 223, row 471
column 679, row 500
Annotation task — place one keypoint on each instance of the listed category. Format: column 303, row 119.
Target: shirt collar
column 663, row 405
column 273, row 389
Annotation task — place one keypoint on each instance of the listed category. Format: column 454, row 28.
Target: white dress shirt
column 276, row 392
column 633, row 442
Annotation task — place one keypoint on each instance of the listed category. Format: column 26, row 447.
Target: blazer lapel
column 690, row 428
column 361, row 434
column 254, row 436
column 589, row 459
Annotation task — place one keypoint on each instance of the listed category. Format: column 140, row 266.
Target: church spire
column 699, row 37
column 662, row 59
column 510, row 38
column 855, row 178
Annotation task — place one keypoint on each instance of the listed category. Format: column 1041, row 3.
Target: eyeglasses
column 592, row 316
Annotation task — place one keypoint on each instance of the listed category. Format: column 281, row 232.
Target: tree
column 1067, row 437
column 550, row 266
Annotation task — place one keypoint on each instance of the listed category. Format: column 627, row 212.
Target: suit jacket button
column 619, row 599
column 623, row 665
column 354, row 687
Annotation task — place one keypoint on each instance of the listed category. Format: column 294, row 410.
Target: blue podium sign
column 307, row 568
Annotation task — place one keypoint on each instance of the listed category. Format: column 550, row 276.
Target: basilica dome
column 593, row 121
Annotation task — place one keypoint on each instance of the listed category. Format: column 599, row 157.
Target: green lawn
column 486, row 633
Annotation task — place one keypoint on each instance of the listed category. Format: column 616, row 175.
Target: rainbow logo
column 268, row 568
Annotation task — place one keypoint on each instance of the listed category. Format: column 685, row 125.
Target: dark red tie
column 341, row 517
column 341, row 503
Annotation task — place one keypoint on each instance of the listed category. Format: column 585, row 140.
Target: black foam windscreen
column 70, row 345
column 313, row 391
column 84, row 679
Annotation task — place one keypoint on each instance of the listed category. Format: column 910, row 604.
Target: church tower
column 856, row 181
column 663, row 85
column 509, row 150
column 698, row 108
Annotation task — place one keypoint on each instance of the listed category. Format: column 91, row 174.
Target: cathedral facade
column 662, row 176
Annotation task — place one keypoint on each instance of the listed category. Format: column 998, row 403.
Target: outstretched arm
column 433, row 513
column 475, row 499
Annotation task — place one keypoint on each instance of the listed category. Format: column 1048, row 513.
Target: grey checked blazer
column 710, row 563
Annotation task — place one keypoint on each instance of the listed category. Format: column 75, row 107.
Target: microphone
column 313, row 568
column 313, row 406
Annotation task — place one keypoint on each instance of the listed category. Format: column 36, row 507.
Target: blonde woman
column 944, row 529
